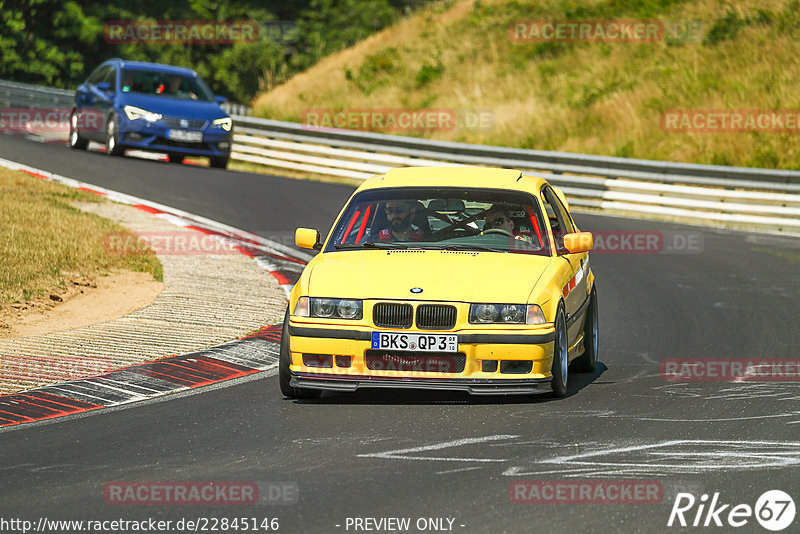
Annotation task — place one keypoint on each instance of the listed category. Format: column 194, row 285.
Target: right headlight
column 506, row 314
column 328, row 308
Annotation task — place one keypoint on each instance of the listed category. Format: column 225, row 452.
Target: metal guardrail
column 727, row 196
column 39, row 96
column 721, row 195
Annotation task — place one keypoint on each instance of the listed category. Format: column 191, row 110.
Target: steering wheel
column 500, row 231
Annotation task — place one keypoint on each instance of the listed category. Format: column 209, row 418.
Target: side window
column 558, row 218
column 99, row 74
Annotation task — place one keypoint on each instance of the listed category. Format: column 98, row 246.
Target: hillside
column 607, row 98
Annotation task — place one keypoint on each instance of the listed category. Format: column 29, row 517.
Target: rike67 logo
column 774, row 510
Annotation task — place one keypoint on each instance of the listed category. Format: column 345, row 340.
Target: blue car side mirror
column 103, row 86
column 220, row 99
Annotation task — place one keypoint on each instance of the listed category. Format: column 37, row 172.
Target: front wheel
column 75, row 140
column 588, row 360
column 112, row 144
column 560, row 369
column 218, row 163
column 283, row 369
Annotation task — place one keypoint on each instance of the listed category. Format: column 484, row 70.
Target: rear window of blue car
column 164, row 84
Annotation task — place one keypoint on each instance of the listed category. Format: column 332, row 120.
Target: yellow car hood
column 443, row 275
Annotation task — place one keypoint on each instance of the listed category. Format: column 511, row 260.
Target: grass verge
column 605, row 98
column 44, row 239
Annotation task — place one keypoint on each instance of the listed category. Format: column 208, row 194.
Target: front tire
column 112, row 143
column 283, row 369
column 588, row 360
column 560, row 368
column 75, row 140
column 218, row 163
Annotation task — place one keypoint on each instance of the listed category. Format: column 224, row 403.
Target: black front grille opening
column 436, row 317
column 181, row 144
column 489, row 366
column 318, row 360
column 175, row 122
column 392, row 315
column 516, row 367
column 415, row 362
column 343, row 361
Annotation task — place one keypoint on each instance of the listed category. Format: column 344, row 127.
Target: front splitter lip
column 472, row 386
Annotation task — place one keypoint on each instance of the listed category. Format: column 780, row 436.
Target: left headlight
column 506, row 314
column 324, row 308
column 225, row 123
column 135, row 113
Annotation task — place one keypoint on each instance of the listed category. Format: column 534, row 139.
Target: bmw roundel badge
column 416, row 290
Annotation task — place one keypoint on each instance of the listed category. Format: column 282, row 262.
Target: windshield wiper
column 370, row 244
column 462, row 246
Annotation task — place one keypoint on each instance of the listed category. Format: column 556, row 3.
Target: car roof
column 455, row 177
column 160, row 67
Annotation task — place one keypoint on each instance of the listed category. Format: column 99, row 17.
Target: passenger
column 497, row 218
column 175, row 85
column 399, row 216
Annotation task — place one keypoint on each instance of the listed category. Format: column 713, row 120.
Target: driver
column 399, row 214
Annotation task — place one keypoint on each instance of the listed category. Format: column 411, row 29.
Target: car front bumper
column 508, row 348
column 154, row 137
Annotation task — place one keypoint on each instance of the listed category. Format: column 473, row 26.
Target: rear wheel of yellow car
column 560, row 368
column 283, row 369
column 588, row 360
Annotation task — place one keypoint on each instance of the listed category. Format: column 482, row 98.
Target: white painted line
column 399, row 454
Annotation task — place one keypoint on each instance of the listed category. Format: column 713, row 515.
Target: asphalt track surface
column 446, row 455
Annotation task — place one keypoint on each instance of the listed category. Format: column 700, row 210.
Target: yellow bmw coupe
column 451, row 278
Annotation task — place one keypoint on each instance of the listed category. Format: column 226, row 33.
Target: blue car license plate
column 415, row 342
column 188, row 136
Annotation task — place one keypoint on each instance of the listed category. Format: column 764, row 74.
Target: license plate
column 415, row 342
column 185, row 135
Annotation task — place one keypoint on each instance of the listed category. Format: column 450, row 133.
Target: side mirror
column 307, row 238
column 579, row 242
column 104, row 86
column 220, row 99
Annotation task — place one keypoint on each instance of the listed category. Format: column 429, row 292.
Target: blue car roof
column 160, row 67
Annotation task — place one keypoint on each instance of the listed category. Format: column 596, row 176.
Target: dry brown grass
column 44, row 240
column 598, row 98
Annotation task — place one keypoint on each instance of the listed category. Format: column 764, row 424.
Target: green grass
column 44, row 239
column 596, row 98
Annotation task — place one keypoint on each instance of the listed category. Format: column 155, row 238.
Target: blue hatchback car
column 154, row 107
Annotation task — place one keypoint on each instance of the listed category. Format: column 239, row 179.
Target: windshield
column 442, row 218
column 166, row 84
